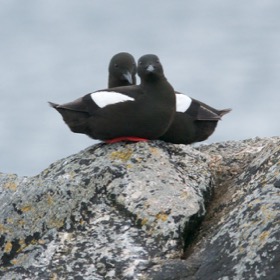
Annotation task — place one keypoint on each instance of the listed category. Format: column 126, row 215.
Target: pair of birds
column 129, row 112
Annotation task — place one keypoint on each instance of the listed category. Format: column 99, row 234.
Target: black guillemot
column 194, row 120
column 133, row 113
column 122, row 70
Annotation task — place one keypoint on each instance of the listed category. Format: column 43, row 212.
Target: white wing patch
column 183, row 102
column 104, row 98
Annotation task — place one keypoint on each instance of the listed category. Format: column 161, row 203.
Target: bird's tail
column 53, row 105
column 224, row 112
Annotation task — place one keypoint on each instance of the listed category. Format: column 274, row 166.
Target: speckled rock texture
column 146, row 211
column 108, row 212
column 240, row 238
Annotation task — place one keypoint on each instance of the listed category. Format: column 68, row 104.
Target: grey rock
column 243, row 241
column 138, row 211
column 108, row 212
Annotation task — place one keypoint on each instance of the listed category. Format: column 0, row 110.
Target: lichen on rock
column 146, row 211
column 136, row 200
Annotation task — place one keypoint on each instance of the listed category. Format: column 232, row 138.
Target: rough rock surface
column 110, row 211
column 134, row 211
column 242, row 227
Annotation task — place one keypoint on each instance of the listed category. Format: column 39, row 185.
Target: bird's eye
column 116, row 65
column 140, row 63
column 157, row 61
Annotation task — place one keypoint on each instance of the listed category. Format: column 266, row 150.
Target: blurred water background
column 225, row 53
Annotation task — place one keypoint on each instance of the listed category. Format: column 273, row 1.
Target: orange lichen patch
column 14, row 262
column 153, row 150
column 26, row 208
column 267, row 212
column 21, row 242
column 10, row 220
column 184, row 195
column 161, row 216
column 144, row 221
column 72, row 175
column 263, row 236
column 21, row 222
column 11, row 186
column 8, row 247
column 19, row 260
column 241, row 250
column 2, row 228
column 22, row 245
column 49, row 199
column 34, row 241
column 56, row 223
column 54, row 276
column 122, row 155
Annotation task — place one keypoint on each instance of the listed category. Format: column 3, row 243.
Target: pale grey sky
column 225, row 53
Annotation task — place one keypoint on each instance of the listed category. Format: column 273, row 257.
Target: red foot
column 126, row 138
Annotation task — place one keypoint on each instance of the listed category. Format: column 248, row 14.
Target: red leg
column 126, row 138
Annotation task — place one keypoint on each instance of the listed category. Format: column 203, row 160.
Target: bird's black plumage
column 195, row 124
column 144, row 110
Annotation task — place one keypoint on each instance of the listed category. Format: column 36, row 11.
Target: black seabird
column 194, row 120
column 133, row 113
column 122, row 70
